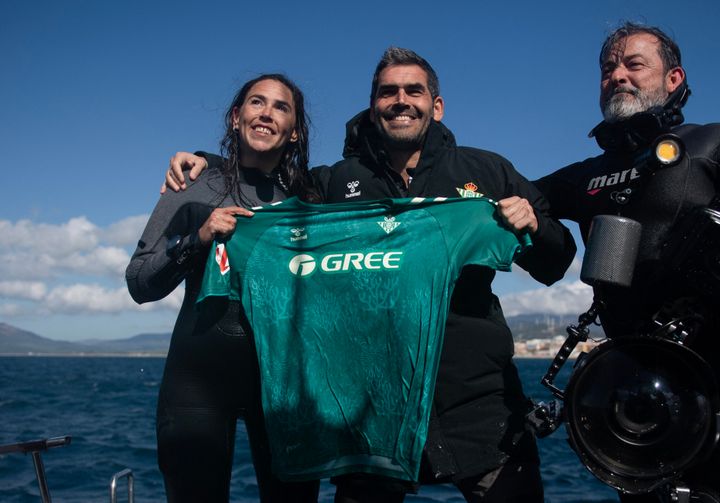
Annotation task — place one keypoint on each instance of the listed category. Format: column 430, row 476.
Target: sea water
column 108, row 405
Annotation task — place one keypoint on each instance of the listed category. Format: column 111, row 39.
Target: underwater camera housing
column 643, row 409
column 640, row 411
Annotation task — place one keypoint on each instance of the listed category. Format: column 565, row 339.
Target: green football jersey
column 348, row 304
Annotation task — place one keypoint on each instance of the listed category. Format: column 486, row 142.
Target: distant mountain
column 146, row 343
column 14, row 340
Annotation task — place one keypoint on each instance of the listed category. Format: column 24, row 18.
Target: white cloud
column 77, row 234
column 562, row 298
column 31, row 290
column 126, row 232
column 37, row 251
column 75, row 267
column 103, row 260
column 45, row 264
column 82, row 298
column 10, row 310
column 92, row 298
column 575, row 267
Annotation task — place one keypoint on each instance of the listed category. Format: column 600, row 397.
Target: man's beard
column 400, row 139
column 620, row 106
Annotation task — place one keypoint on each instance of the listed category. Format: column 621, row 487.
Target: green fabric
column 348, row 304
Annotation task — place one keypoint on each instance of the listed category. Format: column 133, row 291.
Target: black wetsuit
column 477, row 425
column 582, row 190
column 659, row 201
column 211, row 375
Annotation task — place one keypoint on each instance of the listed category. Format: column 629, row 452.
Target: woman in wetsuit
column 211, row 374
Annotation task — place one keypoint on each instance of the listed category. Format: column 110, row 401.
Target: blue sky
column 96, row 96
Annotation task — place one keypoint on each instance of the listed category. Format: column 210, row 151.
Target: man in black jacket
column 398, row 148
column 642, row 90
column 477, row 437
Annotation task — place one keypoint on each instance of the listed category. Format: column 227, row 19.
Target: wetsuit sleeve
column 553, row 247
column 559, row 189
column 154, row 270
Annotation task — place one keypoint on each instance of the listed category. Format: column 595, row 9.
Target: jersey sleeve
column 217, row 278
column 227, row 260
column 475, row 235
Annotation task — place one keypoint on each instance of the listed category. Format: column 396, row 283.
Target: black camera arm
column 576, row 334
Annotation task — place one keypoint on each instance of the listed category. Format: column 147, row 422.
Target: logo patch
column 298, row 234
column 302, row 265
column 352, row 187
column 221, row 257
column 598, row 183
column 469, row 190
column 305, row 264
column 389, row 224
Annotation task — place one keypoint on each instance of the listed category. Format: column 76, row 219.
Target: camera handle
column 576, row 334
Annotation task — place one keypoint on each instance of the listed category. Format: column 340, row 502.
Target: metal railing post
column 127, row 472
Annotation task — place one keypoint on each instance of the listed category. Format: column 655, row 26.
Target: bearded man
column 643, row 88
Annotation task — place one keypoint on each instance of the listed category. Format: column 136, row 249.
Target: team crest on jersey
column 469, row 190
column 352, row 187
column 298, row 234
column 389, row 224
column 221, row 257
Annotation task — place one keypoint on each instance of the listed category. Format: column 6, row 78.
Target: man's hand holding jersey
column 518, row 214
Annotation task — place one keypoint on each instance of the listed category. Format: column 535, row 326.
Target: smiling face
column 265, row 124
column 403, row 107
column 634, row 78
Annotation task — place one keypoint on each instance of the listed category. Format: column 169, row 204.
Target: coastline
column 521, row 352
column 31, row 354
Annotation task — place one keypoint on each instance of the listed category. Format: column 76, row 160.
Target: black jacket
column 479, row 403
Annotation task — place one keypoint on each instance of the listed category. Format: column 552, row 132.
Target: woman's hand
column 221, row 222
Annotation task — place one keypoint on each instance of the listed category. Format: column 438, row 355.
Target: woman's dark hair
column 292, row 171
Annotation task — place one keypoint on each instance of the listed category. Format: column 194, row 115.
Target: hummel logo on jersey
column 305, row 264
column 469, row 190
column 389, row 224
column 599, row 182
column 298, row 234
column 352, row 186
column 221, row 257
